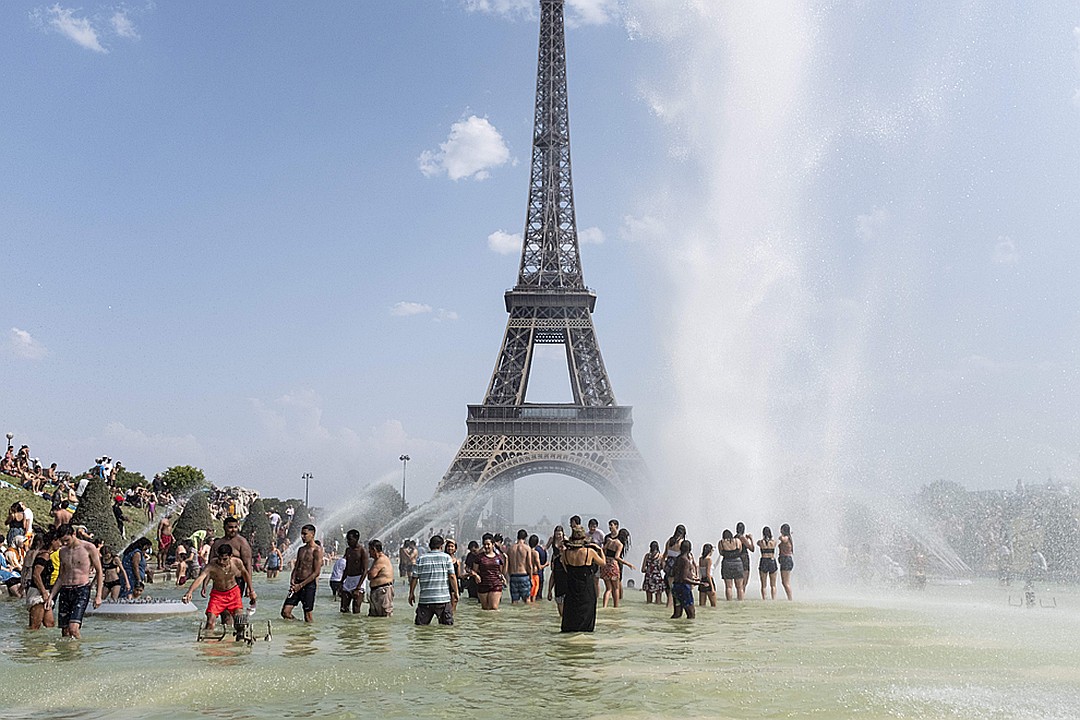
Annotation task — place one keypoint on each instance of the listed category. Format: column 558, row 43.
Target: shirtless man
column 61, row 516
column 225, row 597
column 71, row 590
column 164, row 539
column 380, row 582
column 239, row 545
column 522, row 562
column 356, row 565
column 305, row 575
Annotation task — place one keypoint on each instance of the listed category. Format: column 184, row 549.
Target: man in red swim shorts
column 225, row 599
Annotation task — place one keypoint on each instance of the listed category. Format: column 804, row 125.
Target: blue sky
column 833, row 240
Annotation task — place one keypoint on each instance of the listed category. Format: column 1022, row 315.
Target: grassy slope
column 134, row 518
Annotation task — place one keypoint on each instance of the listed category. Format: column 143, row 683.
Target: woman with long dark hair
column 557, row 586
column 652, row 567
column 731, row 567
column 707, row 587
column 489, row 573
column 671, row 551
column 787, row 561
column 767, row 565
column 134, row 562
column 747, row 547
column 611, row 573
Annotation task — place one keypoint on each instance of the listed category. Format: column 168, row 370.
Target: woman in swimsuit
column 489, row 571
column 39, row 580
column 610, row 573
column 767, row 565
column 15, row 522
column 273, row 563
column 731, row 567
column 115, row 576
column 557, row 586
column 652, row 567
column 747, row 548
column 707, row 588
column 787, row 562
column 671, row 551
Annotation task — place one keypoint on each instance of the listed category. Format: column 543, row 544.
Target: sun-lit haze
column 834, row 244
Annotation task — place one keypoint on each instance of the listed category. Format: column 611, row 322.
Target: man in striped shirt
column 434, row 573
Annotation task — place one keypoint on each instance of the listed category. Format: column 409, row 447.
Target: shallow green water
column 948, row 652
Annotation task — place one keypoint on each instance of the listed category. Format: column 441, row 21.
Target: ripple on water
column 840, row 658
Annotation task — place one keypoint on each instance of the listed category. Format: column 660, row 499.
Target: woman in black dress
column 581, row 563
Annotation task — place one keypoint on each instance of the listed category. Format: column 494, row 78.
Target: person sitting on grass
column 225, row 598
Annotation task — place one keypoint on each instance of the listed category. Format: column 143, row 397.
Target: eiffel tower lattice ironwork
column 589, row 439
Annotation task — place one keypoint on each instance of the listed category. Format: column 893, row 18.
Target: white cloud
column 504, row 243
column 123, row 26
column 870, row 226
column 1076, row 57
column 501, row 7
column 25, row 346
column 1005, row 252
column 591, row 236
column 473, row 147
column 591, row 12
column 79, row 30
column 644, row 228
column 405, row 309
column 579, row 12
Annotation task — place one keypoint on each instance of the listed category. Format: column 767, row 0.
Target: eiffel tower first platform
column 589, row 439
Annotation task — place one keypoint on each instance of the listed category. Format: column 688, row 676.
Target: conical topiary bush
column 256, row 529
column 195, row 517
column 95, row 512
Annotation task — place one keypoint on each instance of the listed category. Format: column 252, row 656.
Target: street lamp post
column 404, row 462
column 10, row 435
column 306, row 477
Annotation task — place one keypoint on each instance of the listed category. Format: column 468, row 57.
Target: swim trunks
column 787, row 563
column 305, row 596
column 534, row 586
column 71, row 603
column 683, row 594
column 381, row 600
column 520, row 587
column 225, row 600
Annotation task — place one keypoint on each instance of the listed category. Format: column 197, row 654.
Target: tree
column 380, row 505
column 180, row 479
column 195, row 517
column 303, row 514
column 95, row 512
column 256, row 529
column 126, row 479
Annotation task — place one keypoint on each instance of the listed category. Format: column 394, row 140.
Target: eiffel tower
column 589, row 439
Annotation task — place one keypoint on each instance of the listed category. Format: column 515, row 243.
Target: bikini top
column 767, row 550
column 609, row 553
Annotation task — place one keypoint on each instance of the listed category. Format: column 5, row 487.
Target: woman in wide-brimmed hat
column 581, row 562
